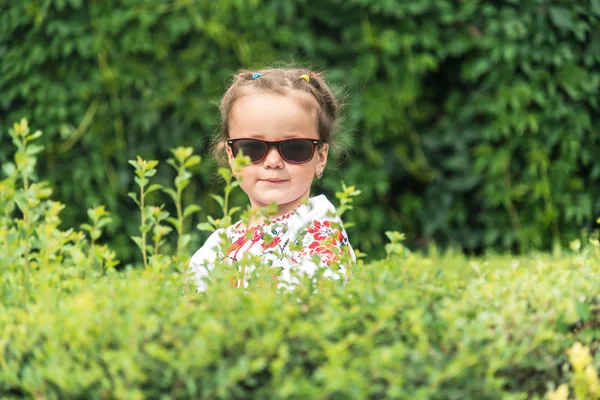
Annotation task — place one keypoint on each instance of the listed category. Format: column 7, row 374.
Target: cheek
column 305, row 172
column 247, row 172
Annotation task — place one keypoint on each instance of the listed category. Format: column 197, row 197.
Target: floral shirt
column 303, row 240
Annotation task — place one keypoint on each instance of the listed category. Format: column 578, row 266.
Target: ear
column 230, row 156
column 322, row 152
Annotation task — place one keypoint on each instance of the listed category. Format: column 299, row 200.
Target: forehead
column 273, row 116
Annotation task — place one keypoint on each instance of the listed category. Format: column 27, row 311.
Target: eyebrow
column 288, row 135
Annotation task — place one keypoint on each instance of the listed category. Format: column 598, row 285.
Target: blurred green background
column 473, row 124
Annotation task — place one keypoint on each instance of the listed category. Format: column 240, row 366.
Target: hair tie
column 256, row 75
column 305, row 77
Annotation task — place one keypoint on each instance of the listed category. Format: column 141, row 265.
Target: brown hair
column 320, row 101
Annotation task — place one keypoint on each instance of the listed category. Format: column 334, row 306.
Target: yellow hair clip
column 305, row 77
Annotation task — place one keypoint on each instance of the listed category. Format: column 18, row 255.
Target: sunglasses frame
column 276, row 144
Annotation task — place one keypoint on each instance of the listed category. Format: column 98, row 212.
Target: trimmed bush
column 437, row 327
column 420, row 328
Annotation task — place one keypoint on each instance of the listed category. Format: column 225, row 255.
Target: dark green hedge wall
column 474, row 124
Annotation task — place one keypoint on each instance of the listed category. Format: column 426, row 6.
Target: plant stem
column 180, row 224
column 226, row 199
column 91, row 251
column 25, row 274
column 143, row 230
column 156, row 242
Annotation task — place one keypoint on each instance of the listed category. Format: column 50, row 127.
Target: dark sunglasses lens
column 254, row 149
column 297, row 150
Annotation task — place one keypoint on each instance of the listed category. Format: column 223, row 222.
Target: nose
column 273, row 159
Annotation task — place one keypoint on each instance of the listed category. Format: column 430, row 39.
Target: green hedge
column 474, row 124
column 409, row 326
column 421, row 328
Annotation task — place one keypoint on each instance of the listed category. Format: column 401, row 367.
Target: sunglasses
column 295, row 151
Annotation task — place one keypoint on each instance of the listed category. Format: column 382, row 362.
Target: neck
column 282, row 209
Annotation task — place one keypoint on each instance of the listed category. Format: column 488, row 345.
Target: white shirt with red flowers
column 291, row 243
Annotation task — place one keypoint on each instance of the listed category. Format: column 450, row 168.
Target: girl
column 283, row 120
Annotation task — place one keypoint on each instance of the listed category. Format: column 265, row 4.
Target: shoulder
column 210, row 248
column 317, row 208
column 316, row 212
column 318, row 221
column 324, row 233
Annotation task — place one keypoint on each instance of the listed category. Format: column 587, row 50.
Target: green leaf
column 138, row 241
column 193, row 160
column 571, row 77
column 561, row 17
column 9, row 169
column 181, row 183
column 34, row 136
column 205, row 226
column 95, row 234
column 142, row 182
column 172, row 163
column 181, row 153
column 595, row 7
column 153, row 188
column 103, row 222
column 92, row 214
column 174, row 222
column 478, row 66
column 185, row 239
column 218, row 199
column 583, row 311
column 171, row 193
column 133, row 195
column 33, row 150
column 192, row 208
column 151, row 165
column 233, row 210
column 225, row 173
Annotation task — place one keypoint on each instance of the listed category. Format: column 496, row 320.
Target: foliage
column 427, row 329
column 585, row 377
column 410, row 326
column 473, row 122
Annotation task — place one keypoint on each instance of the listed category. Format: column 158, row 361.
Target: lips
column 274, row 180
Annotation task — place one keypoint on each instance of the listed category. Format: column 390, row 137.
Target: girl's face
column 273, row 117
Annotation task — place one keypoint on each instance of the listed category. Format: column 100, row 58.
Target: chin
column 275, row 198
column 272, row 199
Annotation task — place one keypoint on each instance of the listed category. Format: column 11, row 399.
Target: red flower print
column 320, row 230
column 276, row 240
column 314, row 228
column 257, row 235
column 320, row 236
column 236, row 245
column 326, row 253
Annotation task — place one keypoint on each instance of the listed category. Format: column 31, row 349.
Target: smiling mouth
column 274, row 180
